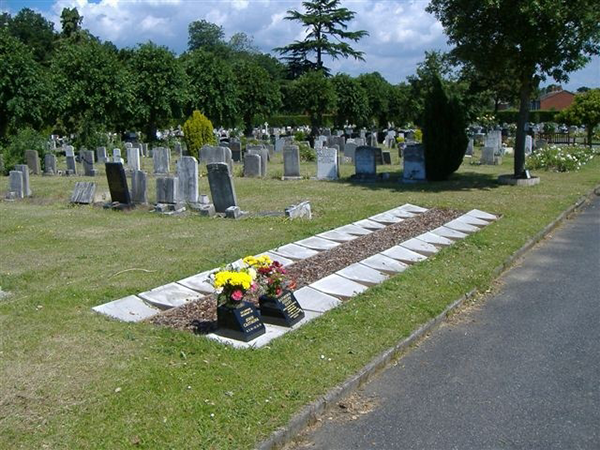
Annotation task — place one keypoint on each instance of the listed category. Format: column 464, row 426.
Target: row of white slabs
column 323, row 294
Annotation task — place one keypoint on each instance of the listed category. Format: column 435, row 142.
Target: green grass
column 60, row 363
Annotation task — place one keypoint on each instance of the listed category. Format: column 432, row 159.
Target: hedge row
column 296, row 120
column 512, row 115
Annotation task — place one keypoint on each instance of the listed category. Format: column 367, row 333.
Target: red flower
column 237, row 295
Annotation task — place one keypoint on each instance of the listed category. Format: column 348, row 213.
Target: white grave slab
column 384, row 263
column 402, row 213
column 127, row 309
column 317, row 243
column 419, row 246
column 471, row 220
column 313, row 300
column 386, row 218
column 337, row 236
column 363, row 274
column 413, row 208
column 434, row 239
column 200, row 282
column 271, row 332
column 482, row 215
column 353, row 229
column 449, row 233
column 339, row 287
column 295, row 252
column 170, row 295
column 369, row 224
column 280, row 259
column 461, row 226
column 404, row 255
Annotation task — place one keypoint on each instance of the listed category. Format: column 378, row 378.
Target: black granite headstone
column 242, row 323
column 117, row 183
column 283, row 310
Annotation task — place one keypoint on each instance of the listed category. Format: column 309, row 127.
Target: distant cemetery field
column 73, row 378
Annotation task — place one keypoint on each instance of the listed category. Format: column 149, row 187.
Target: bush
column 307, row 153
column 25, row 139
column 198, row 131
column 444, row 136
column 296, row 120
column 560, row 159
column 537, row 116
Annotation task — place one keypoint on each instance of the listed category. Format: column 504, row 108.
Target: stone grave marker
column 414, row 163
column 327, row 164
column 291, row 163
column 469, row 151
column 365, row 164
column 88, row 163
column 221, row 186
column 16, row 186
column 139, row 191
column 264, row 157
column 300, row 211
column 101, row 155
column 71, row 164
column 279, row 144
column 488, row 156
column 133, row 158
column 83, row 193
column 236, row 150
column 166, row 190
column 50, row 164
column 350, row 149
column 128, row 145
column 187, row 173
column 528, row 145
column 33, row 161
column 117, row 156
column 24, row 169
column 161, row 158
column 252, row 165
column 117, row 183
column 386, row 158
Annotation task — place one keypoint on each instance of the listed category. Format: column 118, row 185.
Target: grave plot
column 329, row 268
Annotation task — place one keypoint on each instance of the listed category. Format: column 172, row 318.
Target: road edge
column 310, row 413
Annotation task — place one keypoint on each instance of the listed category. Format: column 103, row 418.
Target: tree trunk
column 524, row 93
column 590, row 134
column 496, row 103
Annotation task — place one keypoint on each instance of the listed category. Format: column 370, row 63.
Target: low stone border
column 310, row 413
column 512, row 181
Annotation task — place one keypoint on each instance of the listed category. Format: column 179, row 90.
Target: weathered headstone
column 128, row 145
column 386, row 158
column 528, row 145
column 133, row 158
column 236, row 150
column 178, row 149
column 221, row 186
column 327, row 164
column 210, row 154
column 24, row 169
column 16, row 186
column 69, row 151
column 139, row 192
column 414, row 164
column 83, row 193
column 252, row 165
column 101, row 156
column 300, row 211
column 117, row 156
column 88, row 163
column 264, row 157
column 488, row 156
column 279, row 144
column 187, row 173
column 469, row 151
column 50, row 164
column 291, row 162
column 166, row 190
column 33, row 161
column 117, row 183
column 350, row 149
column 365, row 164
column 161, row 158
column 71, row 164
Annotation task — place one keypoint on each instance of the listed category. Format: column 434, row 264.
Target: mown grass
column 75, row 379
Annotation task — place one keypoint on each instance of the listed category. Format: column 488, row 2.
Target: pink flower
column 237, row 295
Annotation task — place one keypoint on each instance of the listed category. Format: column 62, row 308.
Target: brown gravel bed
column 200, row 316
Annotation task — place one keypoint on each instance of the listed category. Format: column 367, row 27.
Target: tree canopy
column 585, row 110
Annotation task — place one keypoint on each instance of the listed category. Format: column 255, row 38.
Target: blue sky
column 400, row 31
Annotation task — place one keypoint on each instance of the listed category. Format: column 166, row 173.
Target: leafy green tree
column 583, row 89
column 33, row 30
column 24, row 139
column 241, row 42
column 204, row 34
column 327, row 26
column 379, row 94
column 585, row 110
column 352, row 101
column 212, row 87
column 24, row 86
column 444, row 135
column 402, row 105
column 315, row 94
column 70, row 21
column 532, row 40
column 259, row 96
column 160, row 86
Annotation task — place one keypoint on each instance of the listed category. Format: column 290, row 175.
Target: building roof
column 553, row 93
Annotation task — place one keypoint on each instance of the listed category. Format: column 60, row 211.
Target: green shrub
column 444, row 136
column 418, row 135
column 296, row 120
column 25, row 139
column 300, row 136
column 306, row 153
column 537, row 116
column 198, row 131
column 560, row 159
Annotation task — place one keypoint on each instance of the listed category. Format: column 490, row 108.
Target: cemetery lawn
column 74, row 379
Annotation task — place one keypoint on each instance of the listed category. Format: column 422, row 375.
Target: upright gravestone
column 117, row 156
column 350, row 150
column 16, row 186
column 187, row 172
column 373, row 139
column 291, row 162
column 133, row 158
column 365, row 164
column 236, row 150
column 252, row 166
column 327, row 164
column 264, row 157
column 83, row 193
column 528, row 144
column 117, row 183
column 469, row 151
column 50, row 164
column 166, row 190
column 70, row 156
column 128, row 145
column 139, row 192
column 88, row 163
column 221, row 186
column 101, row 156
column 414, row 164
column 488, row 156
column 161, row 157
column 24, row 169
column 33, row 161
column 279, row 144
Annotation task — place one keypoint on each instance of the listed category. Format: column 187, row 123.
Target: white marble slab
column 337, row 236
column 482, row 215
column 461, row 226
column 363, row 274
column 386, row 218
column 449, row 233
column 422, row 247
column 473, row 221
column 370, row 224
column 313, row 300
column 317, row 243
column 404, row 255
column 353, row 229
column 402, row 213
column 200, row 282
column 127, row 309
column 308, row 316
column 271, row 332
column 338, row 287
column 280, row 259
column 384, row 263
column 170, row 295
column 434, row 239
column 413, row 208
column 295, row 252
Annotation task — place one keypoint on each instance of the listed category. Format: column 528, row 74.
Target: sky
column 399, row 31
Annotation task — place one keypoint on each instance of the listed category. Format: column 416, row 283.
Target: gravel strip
column 200, row 316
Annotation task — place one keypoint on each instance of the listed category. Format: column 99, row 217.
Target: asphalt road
column 522, row 371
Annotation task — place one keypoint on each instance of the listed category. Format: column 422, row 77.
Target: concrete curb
column 310, row 413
